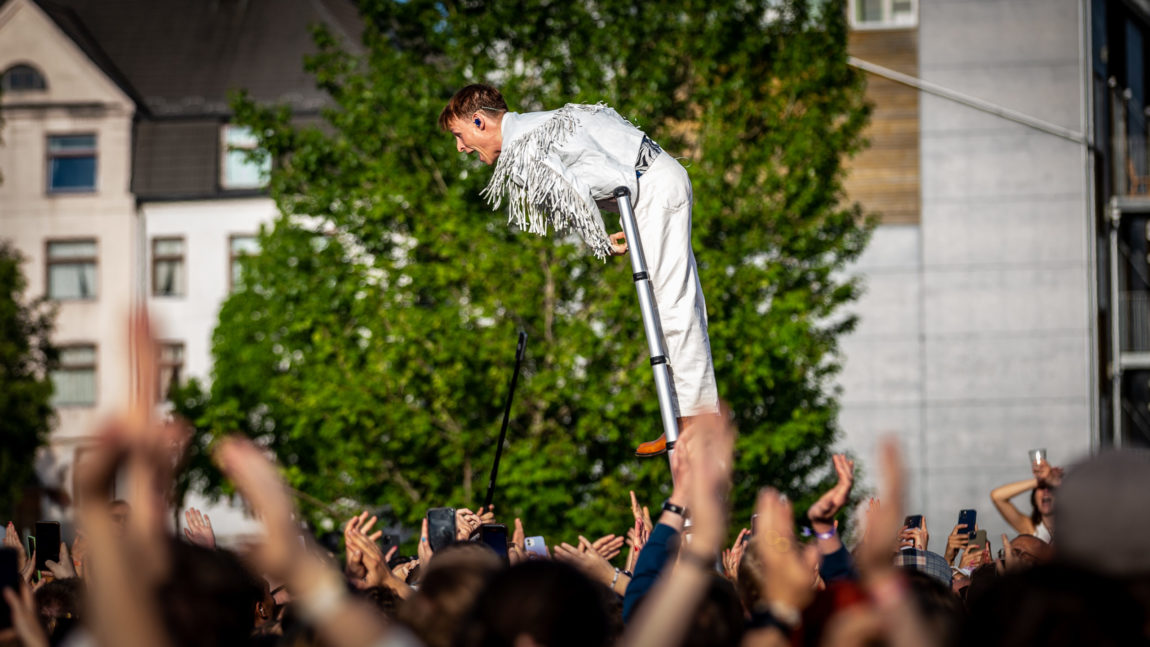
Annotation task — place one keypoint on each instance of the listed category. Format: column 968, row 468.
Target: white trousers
column 663, row 214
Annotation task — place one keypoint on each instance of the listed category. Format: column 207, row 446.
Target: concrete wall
column 975, row 341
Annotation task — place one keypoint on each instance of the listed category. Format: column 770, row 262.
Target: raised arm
column 1001, row 497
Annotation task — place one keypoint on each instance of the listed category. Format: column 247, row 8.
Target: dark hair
column 1035, row 515
column 447, row 591
column 59, row 603
column 209, row 597
column 551, row 602
column 1055, row 605
column 939, row 607
column 470, row 99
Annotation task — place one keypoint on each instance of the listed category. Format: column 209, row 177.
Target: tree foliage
column 26, row 357
column 374, row 355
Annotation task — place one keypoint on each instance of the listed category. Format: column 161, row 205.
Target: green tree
column 374, row 358
column 26, row 358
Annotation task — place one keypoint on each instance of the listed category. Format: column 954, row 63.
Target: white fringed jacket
column 555, row 165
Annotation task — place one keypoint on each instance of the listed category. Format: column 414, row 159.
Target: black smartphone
column 47, row 543
column 968, row 517
column 754, row 522
column 387, row 542
column 440, row 527
column 913, row 521
column 495, row 536
column 9, row 579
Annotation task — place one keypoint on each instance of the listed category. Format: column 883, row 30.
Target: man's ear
column 477, row 121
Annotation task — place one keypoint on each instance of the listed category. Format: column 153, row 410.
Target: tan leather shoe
column 652, row 448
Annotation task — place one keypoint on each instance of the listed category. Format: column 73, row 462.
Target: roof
column 179, row 60
column 182, row 58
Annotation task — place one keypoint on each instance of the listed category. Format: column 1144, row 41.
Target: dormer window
column 21, row 78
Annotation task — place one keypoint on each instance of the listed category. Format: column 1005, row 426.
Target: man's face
column 481, row 138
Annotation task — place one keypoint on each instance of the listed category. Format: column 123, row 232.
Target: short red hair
column 470, row 99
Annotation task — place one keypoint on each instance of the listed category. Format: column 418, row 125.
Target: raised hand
column 12, row 540
column 466, row 522
column 63, row 569
column 425, row 553
column 641, row 514
column 486, row 514
column 586, row 559
column 788, row 567
column 608, row 546
column 956, row 542
column 515, row 552
column 199, row 528
column 733, row 555
column 822, row 513
column 914, row 537
column 25, row 618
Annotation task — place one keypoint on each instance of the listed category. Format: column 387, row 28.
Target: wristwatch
column 675, row 509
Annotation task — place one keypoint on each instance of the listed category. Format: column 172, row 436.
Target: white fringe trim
column 537, row 196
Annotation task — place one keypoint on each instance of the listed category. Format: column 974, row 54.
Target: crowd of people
column 668, row 580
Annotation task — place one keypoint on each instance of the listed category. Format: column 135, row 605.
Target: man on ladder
column 555, row 169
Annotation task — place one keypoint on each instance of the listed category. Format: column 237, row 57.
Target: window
column 883, row 14
column 168, row 267
column 236, row 170
column 241, row 246
column 72, row 270
column 171, row 368
column 75, row 378
column 20, row 78
column 71, row 163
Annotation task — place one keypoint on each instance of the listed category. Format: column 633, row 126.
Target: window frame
column 233, row 257
column 162, row 364
column 4, row 87
column 226, row 148
column 94, row 367
column 49, row 155
column 49, row 262
column 886, row 23
column 182, row 290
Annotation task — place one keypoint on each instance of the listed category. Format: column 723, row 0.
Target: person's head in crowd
column 982, row 580
column 209, row 596
column 59, row 604
column 538, row 602
column 385, row 598
column 719, row 620
column 1029, row 550
column 750, row 580
column 938, row 606
column 1053, row 605
column 1041, row 503
column 926, row 562
column 447, row 590
column 1103, row 523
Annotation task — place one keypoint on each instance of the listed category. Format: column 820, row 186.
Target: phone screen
column 969, row 518
column 47, row 543
column 440, row 527
column 913, row 521
column 495, row 536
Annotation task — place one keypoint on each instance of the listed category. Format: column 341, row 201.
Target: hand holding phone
column 440, row 527
column 47, row 543
column 968, row 518
column 536, row 548
column 495, row 536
